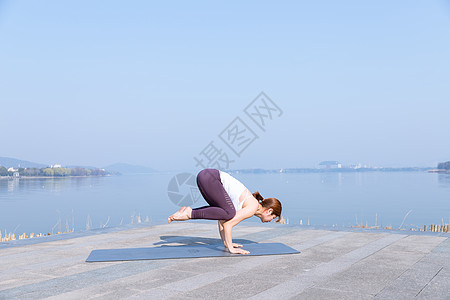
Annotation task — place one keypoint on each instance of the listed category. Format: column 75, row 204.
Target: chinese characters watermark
column 262, row 109
column 237, row 137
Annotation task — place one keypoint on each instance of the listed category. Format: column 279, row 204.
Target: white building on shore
column 330, row 164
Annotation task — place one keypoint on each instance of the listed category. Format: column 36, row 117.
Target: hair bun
column 258, row 196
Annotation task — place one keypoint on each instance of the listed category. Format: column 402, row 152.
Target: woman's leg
column 221, row 207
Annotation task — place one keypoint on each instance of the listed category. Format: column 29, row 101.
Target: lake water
column 43, row 205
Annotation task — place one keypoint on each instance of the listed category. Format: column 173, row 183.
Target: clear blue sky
column 152, row 83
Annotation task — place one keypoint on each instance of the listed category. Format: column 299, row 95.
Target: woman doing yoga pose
column 230, row 202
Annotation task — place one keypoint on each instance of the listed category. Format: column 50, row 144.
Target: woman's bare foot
column 182, row 214
column 172, row 217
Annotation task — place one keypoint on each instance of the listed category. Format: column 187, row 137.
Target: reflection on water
column 338, row 179
column 332, row 180
column 53, row 184
column 444, row 180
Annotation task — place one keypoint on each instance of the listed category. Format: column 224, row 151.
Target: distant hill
column 124, row 168
column 13, row 162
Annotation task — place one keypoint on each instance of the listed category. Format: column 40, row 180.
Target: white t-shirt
column 233, row 187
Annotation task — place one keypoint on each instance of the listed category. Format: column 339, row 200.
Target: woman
column 230, row 202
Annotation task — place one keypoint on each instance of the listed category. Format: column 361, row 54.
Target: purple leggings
column 220, row 205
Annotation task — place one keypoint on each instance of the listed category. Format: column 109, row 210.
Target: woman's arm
column 244, row 213
column 222, row 236
column 220, row 223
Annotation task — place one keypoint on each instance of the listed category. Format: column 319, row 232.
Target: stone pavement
column 333, row 264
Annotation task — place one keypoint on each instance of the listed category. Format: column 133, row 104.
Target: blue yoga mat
column 171, row 252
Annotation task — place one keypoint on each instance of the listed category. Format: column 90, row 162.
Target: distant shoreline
column 272, row 171
column 43, row 177
column 331, row 170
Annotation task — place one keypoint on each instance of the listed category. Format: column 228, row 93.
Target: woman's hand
column 238, row 251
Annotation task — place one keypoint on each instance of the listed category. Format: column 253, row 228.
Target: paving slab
column 334, row 263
